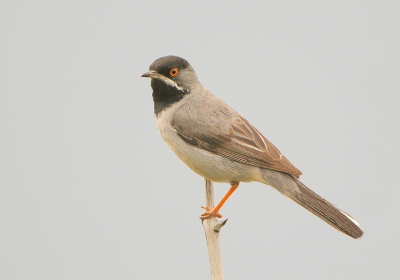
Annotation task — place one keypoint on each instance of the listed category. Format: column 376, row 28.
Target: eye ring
column 174, row 72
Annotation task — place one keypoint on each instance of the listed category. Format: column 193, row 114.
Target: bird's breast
column 204, row 163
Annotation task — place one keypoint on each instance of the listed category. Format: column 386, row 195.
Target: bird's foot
column 209, row 213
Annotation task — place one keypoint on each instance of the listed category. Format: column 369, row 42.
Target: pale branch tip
column 219, row 224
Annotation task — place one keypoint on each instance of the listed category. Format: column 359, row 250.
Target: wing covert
column 237, row 140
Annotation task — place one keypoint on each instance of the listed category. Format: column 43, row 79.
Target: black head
column 172, row 78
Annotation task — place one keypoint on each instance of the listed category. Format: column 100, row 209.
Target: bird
column 217, row 143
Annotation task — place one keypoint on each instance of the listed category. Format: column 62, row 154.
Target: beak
column 154, row 75
column 151, row 74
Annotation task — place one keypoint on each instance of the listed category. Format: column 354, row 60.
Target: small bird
column 220, row 145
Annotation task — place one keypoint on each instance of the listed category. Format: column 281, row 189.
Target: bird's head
column 172, row 73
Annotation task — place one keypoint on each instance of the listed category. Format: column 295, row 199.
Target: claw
column 209, row 213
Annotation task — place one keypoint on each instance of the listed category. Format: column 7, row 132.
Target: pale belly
column 208, row 165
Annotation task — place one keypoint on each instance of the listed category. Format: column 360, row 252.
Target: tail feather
column 298, row 192
column 322, row 208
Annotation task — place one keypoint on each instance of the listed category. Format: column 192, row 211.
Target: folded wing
column 231, row 136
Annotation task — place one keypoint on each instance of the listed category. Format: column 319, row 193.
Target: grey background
column 88, row 189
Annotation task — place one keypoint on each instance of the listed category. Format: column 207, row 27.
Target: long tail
column 298, row 192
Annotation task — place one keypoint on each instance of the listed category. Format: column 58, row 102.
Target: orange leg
column 213, row 212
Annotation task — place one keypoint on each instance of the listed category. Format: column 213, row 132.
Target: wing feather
column 237, row 140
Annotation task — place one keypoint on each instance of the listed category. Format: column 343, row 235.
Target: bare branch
column 211, row 228
column 219, row 224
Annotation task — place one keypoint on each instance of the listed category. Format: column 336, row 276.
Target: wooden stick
column 211, row 228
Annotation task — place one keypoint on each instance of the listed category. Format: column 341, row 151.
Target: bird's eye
column 174, row 72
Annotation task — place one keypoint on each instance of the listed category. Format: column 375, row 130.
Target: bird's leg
column 213, row 212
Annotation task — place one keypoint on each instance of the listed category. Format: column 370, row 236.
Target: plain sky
column 88, row 189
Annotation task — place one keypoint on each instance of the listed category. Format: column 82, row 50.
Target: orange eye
column 174, row 72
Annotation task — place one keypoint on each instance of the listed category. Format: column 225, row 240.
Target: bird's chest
column 168, row 133
column 193, row 157
column 204, row 163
